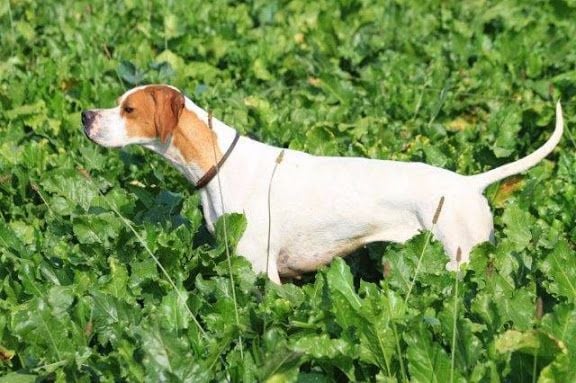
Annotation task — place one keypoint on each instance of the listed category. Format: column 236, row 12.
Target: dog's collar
column 211, row 173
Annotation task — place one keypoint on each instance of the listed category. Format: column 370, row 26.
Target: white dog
column 303, row 210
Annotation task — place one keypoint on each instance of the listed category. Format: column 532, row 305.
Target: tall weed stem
column 428, row 238
column 268, row 240
column 455, row 318
column 398, row 349
column 226, row 244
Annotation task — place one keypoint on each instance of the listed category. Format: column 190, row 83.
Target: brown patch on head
column 157, row 111
column 153, row 111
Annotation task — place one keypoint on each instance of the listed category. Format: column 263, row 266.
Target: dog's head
column 144, row 115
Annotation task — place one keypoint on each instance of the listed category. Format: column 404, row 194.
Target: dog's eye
column 128, row 109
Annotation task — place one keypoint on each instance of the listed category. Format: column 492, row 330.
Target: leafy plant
column 106, row 270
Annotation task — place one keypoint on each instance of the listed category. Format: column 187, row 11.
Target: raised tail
column 484, row 179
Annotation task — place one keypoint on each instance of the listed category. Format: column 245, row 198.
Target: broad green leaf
column 235, row 226
column 112, row 316
column 176, row 62
column 129, row 73
column 497, row 308
column 130, row 366
column 86, row 234
column 506, row 123
column 322, row 347
column 24, row 232
column 561, row 324
column 117, row 280
column 427, row 360
column 435, row 156
column 517, row 223
column 9, row 239
column 377, row 336
column 71, row 186
column 518, row 307
column 173, row 311
column 340, row 283
column 281, row 366
column 260, row 70
column 172, row 27
column 320, row 141
column 559, row 267
column 168, row 356
column 531, row 342
column 141, row 271
column 336, row 87
column 469, row 337
column 560, row 370
column 56, row 337
column 60, row 299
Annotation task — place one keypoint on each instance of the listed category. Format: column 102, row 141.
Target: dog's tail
column 484, row 179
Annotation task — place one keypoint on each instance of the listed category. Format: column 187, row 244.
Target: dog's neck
column 195, row 145
column 194, row 148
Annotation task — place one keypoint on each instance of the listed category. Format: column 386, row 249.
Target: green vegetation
column 466, row 85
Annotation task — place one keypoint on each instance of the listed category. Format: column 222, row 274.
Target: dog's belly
column 312, row 249
column 293, row 261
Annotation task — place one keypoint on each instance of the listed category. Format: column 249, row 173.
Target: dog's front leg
column 255, row 250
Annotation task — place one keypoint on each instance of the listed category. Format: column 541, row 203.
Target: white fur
column 322, row 207
column 109, row 129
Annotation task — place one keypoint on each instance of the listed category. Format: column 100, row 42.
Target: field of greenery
column 108, row 274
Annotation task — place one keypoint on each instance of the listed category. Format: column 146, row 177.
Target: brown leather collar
column 211, row 173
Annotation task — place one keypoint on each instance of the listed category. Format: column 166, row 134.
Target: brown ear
column 169, row 104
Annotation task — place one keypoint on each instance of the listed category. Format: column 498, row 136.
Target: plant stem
column 228, row 258
column 454, row 326
column 413, row 281
column 428, row 238
column 397, row 340
column 534, row 367
column 278, row 161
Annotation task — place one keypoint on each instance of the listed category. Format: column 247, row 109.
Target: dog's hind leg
column 464, row 222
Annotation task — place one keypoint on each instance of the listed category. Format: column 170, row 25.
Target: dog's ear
column 169, row 104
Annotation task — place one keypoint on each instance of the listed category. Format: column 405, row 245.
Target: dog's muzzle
column 88, row 117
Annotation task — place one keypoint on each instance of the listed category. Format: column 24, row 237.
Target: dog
column 303, row 210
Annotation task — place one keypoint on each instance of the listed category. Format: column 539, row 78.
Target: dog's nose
column 87, row 118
